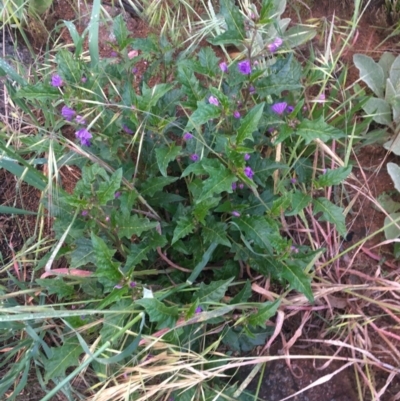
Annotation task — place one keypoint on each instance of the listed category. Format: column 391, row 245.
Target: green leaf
column 63, row 357
column 14, row 210
column 153, row 94
column 184, row 227
column 165, row 155
column 298, row 35
column 297, row 279
column 227, row 38
column 120, row 31
column 394, row 73
column 388, row 203
column 257, row 229
column 93, row 29
column 39, row 91
column 57, row 286
column 38, row 7
column 159, row 313
column 215, row 232
column 202, row 264
column 386, row 61
column 191, row 85
column 333, row 177
column 106, row 191
column 127, row 200
column 394, row 172
column 156, row 184
column 318, row 129
column 134, row 225
column 379, row 110
column 77, row 39
column 209, row 61
column 68, row 67
column 203, row 113
column 83, row 254
column 285, row 76
column 249, row 124
column 201, row 210
column 371, row 73
column 392, row 231
column 299, row 202
column 233, row 17
column 26, row 173
column 107, row 270
column 139, row 252
column 212, row 292
column 220, row 180
column 331, row 213
column 244, row 294
column 6, row 69
column 264, row 313
column 113, row 322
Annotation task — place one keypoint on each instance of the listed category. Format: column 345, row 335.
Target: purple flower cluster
column 279, row 108
column 68, row 113
column 275, row 45
column 248, row 172
column 223, row 66
column 56, row 81
column 84, row 136
column 187, row 136
column 213, row 100
column 244, row 67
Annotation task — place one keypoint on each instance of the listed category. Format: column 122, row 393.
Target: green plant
column 186, row 188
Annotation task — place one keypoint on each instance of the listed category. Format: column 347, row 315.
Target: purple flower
column 84, row 136
column 241, row 185
column 213, row 100
column 223, row 66
column 235, row 213
column 293, row 180
column 252, row 90
column 127, row 129
column 132, row 284
column 289, row 109
column 56, row 81
column 113, row 54
column 279, row 108
column 236, row 114
column 107, row 218
column 294, row 249
column 248, row 172
column 118, row 286
column 134, row 70
column 244, row 67
column 275, row 45
column 67, row 113
column 117, row 195
column 83, row 79
column 246, row 156
column 194, row 157
column 234, row 186
column 187, row 136
column 198, row 310
column 80, row 120
column 321, row 98
column 84, row 213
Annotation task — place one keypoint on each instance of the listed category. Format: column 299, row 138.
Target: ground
column 280, row 379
